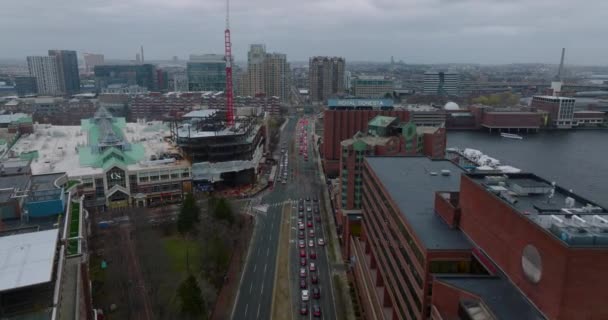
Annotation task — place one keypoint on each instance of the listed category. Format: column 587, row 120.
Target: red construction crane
column 228, row 57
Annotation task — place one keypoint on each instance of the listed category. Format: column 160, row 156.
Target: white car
column 305, row 295
column 311, row 243
column 321, row 242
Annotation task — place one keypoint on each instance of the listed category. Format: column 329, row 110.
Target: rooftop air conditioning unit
column 445, row 172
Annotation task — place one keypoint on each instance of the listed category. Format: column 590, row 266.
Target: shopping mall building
column 113, row 163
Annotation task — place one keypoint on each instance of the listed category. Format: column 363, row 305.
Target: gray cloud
column 416, row 31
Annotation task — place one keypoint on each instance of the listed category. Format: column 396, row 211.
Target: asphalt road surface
column 309, row 186
column 254, row 297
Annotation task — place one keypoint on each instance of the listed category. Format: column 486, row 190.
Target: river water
column 576, row 160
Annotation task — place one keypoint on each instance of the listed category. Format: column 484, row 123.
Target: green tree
column 188, row 215
column 222, row 210
column 191, row 299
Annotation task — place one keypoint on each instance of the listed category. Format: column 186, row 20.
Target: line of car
column 307, row 253
column 284, row 169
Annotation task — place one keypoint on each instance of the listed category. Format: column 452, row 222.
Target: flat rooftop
column 569, row 217
column 27, row 259
column 54, row 148
column 503, row 299
column 412, row 182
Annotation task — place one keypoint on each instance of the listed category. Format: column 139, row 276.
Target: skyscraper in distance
column 44, row 69
column 91, row 60
column 67, row 70
column 255, row 69
column 326, row 77
column 276, row 75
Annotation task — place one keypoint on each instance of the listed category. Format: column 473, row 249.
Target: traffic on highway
column 311, row 282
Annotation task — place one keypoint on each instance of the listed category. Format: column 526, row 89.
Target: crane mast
column 228, row 57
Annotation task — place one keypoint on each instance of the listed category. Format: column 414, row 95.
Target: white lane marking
column 246, row 307
column 254, row 267
column 251, row 287
column 262, row 292
column 267, row 252
column 265, row 266
column 270, row 237
column 258, row 316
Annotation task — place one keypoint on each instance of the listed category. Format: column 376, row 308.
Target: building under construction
column 221, row 155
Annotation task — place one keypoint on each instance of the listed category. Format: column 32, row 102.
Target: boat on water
column 511, row 136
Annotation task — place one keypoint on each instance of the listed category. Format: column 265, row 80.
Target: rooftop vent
column 445, row 172
column 433, row 173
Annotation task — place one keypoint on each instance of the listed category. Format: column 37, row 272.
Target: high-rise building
column 277, row 75
column 267, row 74
column 143, row 75
column 372, row 86
column 67, row 69
column 326, row 77
column 91, row 60
column 45, row 70
column 255, row 69
column 441, row 83
column 25, row 86
column 206, row 72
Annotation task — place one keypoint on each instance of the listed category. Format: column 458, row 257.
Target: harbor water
column 576, row 160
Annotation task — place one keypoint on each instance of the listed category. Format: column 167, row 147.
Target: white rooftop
column 200, row 113
column 57, row 146
column 27, row 259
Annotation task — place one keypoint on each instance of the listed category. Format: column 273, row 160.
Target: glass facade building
column 206, row 73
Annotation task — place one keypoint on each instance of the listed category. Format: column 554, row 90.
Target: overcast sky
column 415, row 31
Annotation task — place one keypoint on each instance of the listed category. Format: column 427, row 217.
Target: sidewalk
column 225, row 300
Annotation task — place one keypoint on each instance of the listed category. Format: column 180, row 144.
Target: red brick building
column 438, row 243
column 386, row 136
column 342, row 124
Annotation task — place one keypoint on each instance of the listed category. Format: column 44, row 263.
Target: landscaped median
column 281, row 297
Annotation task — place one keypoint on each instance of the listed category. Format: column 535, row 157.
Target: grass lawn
column 176, row 249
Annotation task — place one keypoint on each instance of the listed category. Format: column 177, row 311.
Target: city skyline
column 467, row 31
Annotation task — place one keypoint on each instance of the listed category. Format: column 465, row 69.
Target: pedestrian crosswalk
column 280, row 204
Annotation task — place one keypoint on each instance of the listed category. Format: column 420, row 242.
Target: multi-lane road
column 254, row 297
column 309, row 189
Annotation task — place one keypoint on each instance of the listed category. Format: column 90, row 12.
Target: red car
column 312, row 254
column 318, row 218
column 303, row 309
column 316, row 293
column 314, row 278
column 309, row 224
column 316, row 311
column 303, row 253
column 303, row 262
column 303, row 284
column 312, row 267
